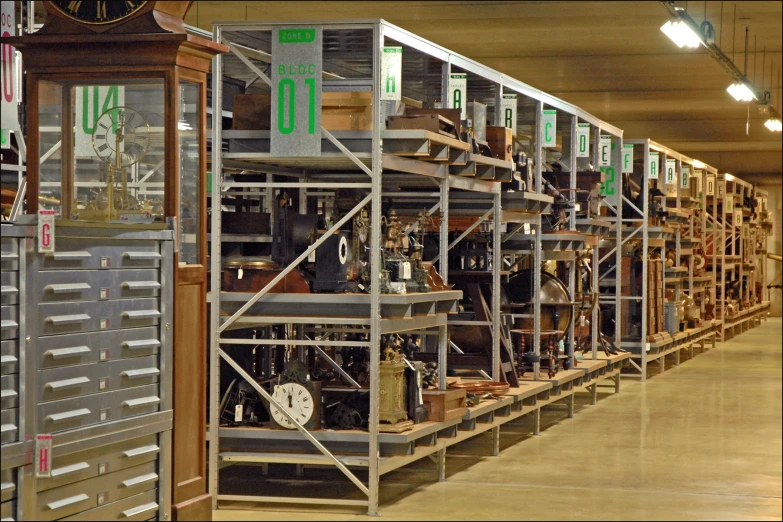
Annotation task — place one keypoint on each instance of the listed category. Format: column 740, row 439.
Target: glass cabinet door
column 190, row 183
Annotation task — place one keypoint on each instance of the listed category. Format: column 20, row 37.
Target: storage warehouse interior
column 417, row 260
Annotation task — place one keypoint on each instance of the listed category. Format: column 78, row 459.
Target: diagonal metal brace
column 467, row 231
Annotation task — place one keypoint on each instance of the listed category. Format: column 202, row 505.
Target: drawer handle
column 144, row 401
column 149, row 477
column 141, row 285
column 137, row 452
column 138, row 374
column 68, row 319
column 68, row 415
column 64, row 256
column 59, row 353
column 7, row 324
column 141, row 314
column 67, row 470
column 8, row 394
column 142, row 255
column 7, row 289
column 67, row 288
column 7, row 359
column 140, row 509
column 67, row 383
column 8, row 255
column 7, row 486
column 144, row 343
column 5, row 428
column 81, row 497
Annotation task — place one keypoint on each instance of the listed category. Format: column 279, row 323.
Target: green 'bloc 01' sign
column 297, row 62
column 391, row 73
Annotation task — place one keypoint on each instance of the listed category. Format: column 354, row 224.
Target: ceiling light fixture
column 698, row 164
column 741, row 92
column 681, row 34
column 774, row 125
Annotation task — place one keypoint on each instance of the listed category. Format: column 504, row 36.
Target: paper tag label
column 46, row 231
column 238, row 413
column 104, row 324
column 43, row 455
column 549, row 129
column 391, row 73
column 526, row 228
column 508, row 104
column 240, row 273
column 103, row 497
column 582, row 140
column 101, row 468
column 604, row 151
column 105, row 262
column 103, row 383
column 103, row 355
column 104, row 415
column 458, row 90
column 627, row 158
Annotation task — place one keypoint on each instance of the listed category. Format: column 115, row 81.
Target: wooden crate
column 445, row 405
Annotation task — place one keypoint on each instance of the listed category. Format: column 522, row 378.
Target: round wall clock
column 121, row 137
column 97, row 12
column 297, row 402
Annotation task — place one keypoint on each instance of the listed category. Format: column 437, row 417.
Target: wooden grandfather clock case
column 136, row 55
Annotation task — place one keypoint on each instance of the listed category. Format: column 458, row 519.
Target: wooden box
column 251, row 112
column 445, row 405
column 339, row 111
column 501, row 142
column 452, row 115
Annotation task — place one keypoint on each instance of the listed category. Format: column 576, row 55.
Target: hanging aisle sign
column 549, row 129
column 671, row 172
column 508, row 105
column 297, row 62
column 391, row 73
column 710, row 184
column 627, row 158
column 604, row 151
column 8, row 77
column 685, row 182
column 729, row 205
column 653, row 174
column 582, row 140
column 458, row 90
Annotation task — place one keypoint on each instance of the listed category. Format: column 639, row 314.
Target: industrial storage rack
column 86, row 372
column 356, row 48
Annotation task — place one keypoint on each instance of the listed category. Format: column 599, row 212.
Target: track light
column 774, row 125
column 681, row 34
column 740, row 92
column 698, row 164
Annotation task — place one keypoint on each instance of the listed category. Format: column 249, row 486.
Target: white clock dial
column 297, row 402
column 121, row 137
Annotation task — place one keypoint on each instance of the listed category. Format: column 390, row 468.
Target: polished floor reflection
column 700, row 442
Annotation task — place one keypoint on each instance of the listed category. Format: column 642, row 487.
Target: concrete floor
column 699, row 442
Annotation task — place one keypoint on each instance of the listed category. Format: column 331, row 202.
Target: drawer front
column 10, row 391
column 9, row 288
column 93, row 462
column 8, row 510
column 96, row 285
column 137, row 507
column 61, row 318
column 9, row 357
column 9, row 425
column 9, row 254
column 8, row 484
column 71, row 499
column 66, row 350
column 87, row 410
column 9, row 322
column 84, row 379
column 88, row 253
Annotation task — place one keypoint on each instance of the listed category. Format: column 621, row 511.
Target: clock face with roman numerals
column 98, row 11
column 121, row 137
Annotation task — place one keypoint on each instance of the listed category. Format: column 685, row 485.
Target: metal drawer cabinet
column 9, row 253
column 9, row 288
column 71, row 499
column 99, row 460
column 137, row 507
column 9, row 394
column 94, row 285
column 72, row 381
column 62, row 318
column 67, row 350
column 8, row 484
column 78, row 412
column 8, row 510
column 9, row 425
column 101, row 253
column 9, row 357
column 9, row 322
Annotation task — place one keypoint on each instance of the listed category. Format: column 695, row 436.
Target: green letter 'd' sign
column 296, row 91
column 582, row 140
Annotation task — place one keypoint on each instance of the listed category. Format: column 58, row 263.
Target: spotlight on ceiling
column 741, row 92
column 681, row 34
column 698, row 164
column 774, row 125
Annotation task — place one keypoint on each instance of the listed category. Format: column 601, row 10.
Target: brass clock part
column 98, row 12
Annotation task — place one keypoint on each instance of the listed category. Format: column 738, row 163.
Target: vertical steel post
column 645, row 189
column 572, row 226
column 497, row 266
column 618, row 258
column 537, row 254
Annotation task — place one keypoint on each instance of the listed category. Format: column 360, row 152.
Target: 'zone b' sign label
column 297, row 61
